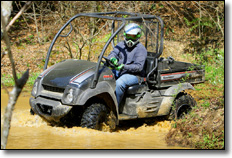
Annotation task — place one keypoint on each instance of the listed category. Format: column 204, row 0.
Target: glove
column 114, row 61
column 120, row 67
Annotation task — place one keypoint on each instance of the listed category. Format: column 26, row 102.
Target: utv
column 82, row 92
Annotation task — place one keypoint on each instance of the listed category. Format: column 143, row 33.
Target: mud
column 31, row 132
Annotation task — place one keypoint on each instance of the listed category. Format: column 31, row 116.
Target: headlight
column 69, row 96
column 35, row 88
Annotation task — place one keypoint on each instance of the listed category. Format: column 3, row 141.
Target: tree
column 14, row 94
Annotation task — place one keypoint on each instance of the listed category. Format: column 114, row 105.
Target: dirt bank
column 203, row 128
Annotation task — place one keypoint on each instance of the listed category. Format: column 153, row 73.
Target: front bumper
column 51, row 110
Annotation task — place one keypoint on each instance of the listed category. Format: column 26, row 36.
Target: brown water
column 31, row 132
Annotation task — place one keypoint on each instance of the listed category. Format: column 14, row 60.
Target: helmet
column 132, row 33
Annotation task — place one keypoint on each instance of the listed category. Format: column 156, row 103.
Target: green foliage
column 32, row 78
column 205, row 104
column 104, row 39
column 168, row 30
column 214, row 65
column 211, row 141
column 190, row 134
column 174, row 125
column 8, row 80
column 204, row 23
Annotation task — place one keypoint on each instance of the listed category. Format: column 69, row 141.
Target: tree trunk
column 14, row 94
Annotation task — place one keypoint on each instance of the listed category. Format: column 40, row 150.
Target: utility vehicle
column 82, row 92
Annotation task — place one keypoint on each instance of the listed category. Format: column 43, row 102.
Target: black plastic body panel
column 61, row 75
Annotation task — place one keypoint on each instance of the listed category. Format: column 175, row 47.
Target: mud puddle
column 31, row 132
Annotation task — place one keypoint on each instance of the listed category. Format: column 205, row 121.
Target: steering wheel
column 108, row 63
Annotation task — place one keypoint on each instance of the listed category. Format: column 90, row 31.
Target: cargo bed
column 171, row 72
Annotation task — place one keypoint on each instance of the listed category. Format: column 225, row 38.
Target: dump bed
column 171, row 72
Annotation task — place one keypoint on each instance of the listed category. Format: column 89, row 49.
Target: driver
column 129, row 57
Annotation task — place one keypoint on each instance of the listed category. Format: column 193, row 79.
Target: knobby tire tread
column 91, row 115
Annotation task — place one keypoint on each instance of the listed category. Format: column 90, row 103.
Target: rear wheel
column 182, row 105
column 94, row 116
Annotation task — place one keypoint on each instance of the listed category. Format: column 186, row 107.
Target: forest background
column 194, row 32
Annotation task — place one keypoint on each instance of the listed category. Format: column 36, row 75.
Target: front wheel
column 94, row 116
column 181, row 106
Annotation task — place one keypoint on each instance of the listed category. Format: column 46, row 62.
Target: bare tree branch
column 36, row 23
column 175, row 12
column 18, row 15
column 211, row 18
column 69, row 48
column 7, row 41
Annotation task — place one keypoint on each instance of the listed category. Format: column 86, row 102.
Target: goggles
column 131, row 37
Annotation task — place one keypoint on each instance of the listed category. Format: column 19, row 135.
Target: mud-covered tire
column 32, row 112
column 94, row 116
column 182, row 105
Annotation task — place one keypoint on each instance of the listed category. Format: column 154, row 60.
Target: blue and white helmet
column 132, row 33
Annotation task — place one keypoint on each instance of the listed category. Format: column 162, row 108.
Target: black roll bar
column 95, row 15
column 135, row 17
column 68, row 32
column 96, row 74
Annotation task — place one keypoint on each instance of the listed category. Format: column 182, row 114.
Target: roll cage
column 112, row 16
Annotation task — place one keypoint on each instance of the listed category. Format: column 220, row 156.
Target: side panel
column 142, row 105
column 170, row 95
column 101, row 88
column 170, row 79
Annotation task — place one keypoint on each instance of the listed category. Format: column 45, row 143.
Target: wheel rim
column 183, row 109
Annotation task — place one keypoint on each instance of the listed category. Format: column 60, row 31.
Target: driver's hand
column 114, row 61
column 120, row 67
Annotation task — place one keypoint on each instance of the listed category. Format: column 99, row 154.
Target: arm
column 114, row 52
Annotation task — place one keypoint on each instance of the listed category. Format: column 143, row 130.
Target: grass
column 8, row 80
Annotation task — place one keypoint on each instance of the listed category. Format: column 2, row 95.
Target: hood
column 61, row 74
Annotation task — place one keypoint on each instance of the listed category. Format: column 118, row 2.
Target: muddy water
column 31, row 132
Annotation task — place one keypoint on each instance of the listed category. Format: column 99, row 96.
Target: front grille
column 53, row 89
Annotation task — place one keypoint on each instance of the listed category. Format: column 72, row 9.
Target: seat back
column 148, row 66
column 149, row 63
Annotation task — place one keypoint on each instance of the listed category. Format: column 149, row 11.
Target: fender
column 101, row 88
column 169, row 96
